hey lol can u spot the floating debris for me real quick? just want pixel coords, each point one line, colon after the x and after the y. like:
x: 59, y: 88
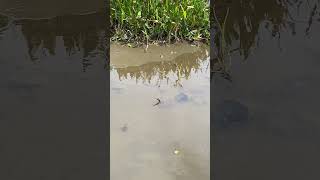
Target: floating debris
x: 159, y: 101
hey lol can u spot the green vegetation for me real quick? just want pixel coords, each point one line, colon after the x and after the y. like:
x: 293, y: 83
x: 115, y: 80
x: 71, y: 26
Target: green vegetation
x: 160, y: 20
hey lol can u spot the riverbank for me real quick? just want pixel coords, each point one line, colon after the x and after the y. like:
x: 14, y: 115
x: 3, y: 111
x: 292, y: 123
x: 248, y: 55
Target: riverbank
x: 164, y: 21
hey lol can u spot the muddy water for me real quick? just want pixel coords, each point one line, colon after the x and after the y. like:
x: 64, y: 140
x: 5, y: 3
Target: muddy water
x: 52, y: 88
x: 273, y: 129
x: 166, y: 138
x: 42, y: 9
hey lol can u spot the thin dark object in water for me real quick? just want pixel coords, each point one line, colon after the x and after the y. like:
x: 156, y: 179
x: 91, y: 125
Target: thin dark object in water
x: 159, y: 101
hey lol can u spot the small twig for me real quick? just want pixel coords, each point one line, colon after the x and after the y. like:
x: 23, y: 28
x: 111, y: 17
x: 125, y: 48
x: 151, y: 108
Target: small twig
x: 159, y: 101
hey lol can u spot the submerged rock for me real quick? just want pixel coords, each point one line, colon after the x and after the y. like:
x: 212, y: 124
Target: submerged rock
x: 230, y: 113
x: 178, y: 99
x: 182, y: 97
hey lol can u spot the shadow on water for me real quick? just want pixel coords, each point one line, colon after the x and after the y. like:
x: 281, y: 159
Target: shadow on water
x: 71, y: 35
x: 47, y: 100
x: 245, y: 18
x: 46, y: 9
x: 265, y: 118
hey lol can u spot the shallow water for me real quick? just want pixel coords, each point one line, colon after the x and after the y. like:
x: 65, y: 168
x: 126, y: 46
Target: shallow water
x: 52, y: 78
x: 166, y: 140
x: 275, y: 76
x: 43, y: 9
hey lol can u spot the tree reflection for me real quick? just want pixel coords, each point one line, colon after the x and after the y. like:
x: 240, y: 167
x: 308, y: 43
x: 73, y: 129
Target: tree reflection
x: 4, y: 21
x: 246, y: 17
x: 84, y: 35
x: 182, y: 67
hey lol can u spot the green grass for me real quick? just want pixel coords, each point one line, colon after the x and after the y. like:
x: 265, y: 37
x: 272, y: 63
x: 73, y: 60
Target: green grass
x: 159, y: 20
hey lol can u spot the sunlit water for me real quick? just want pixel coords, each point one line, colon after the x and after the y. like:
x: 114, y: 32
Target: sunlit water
x: 167, y: 140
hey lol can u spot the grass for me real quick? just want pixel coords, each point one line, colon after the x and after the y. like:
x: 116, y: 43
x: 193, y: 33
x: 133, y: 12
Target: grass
x: 159, y: 20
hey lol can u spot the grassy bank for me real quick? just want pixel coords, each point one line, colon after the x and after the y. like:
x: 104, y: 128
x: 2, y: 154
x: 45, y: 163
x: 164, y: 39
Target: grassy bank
x: 159, y: 20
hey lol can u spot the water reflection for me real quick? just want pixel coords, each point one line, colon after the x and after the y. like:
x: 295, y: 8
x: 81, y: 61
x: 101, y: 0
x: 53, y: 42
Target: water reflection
x: 69, y: 35
x: 266, y: 117
x: 166, y: 88
x: 244, y: 20
x: 59, y: 110
x: 181, y: 66
x: 3, y: 24
x: 46, y: 9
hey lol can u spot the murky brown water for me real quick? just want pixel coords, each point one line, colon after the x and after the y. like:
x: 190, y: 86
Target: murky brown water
x: 43, y: 9
x: 49, y: 68
x: 166, y: 140
x: 53, y: 86
x: 271, y: 126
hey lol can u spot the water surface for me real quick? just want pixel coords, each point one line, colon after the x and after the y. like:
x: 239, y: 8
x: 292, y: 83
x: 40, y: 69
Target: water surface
x: 43, y: 9
x: 275, y: 75
x: 51, y: 76
x: 166, y: 138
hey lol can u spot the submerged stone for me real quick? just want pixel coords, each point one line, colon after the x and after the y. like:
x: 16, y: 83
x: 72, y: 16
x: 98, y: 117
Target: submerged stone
x: 181, y: 97
x: 230, y: 113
